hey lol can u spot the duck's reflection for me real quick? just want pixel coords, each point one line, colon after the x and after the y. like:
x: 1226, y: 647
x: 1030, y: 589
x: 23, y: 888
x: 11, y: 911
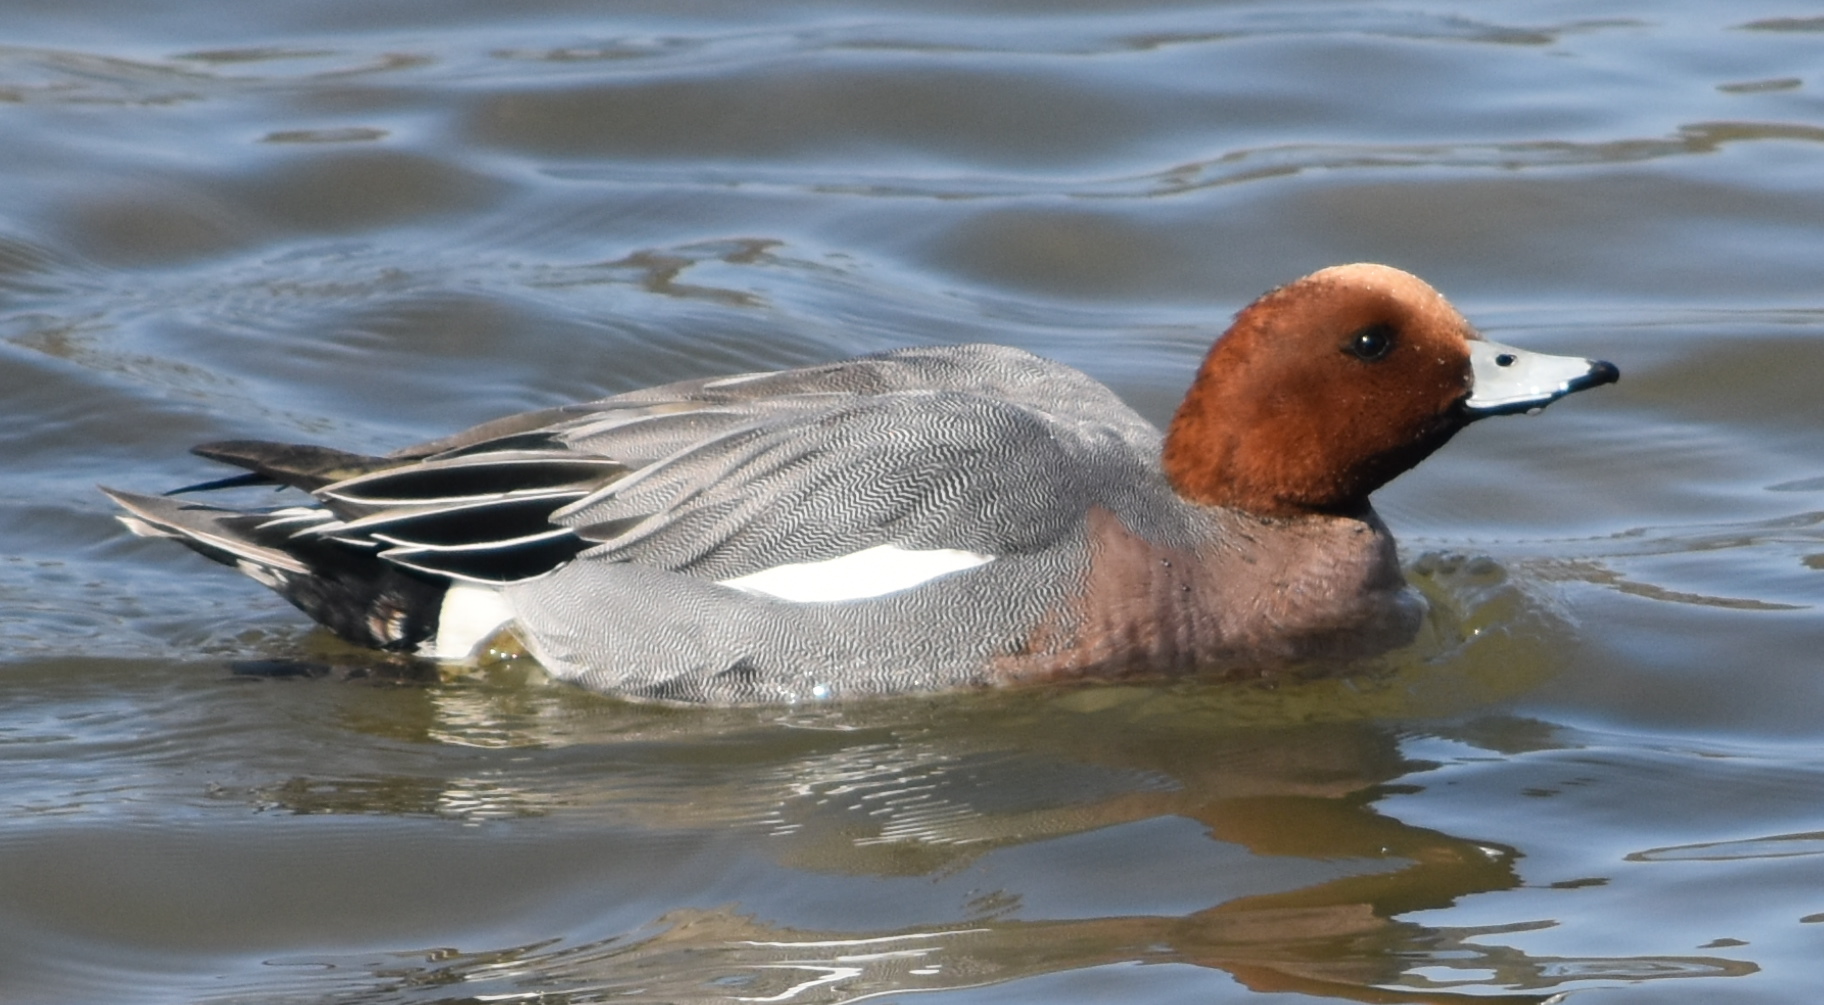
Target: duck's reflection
x: 929, y: 788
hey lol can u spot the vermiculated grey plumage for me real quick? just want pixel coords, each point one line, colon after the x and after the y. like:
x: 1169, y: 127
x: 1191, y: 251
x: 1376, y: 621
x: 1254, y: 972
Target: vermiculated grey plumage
x: 608, y: 525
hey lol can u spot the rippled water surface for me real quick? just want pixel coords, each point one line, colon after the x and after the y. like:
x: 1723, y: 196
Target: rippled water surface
x: 366, y: 224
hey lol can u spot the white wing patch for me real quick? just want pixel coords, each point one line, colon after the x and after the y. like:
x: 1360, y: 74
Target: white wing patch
x: 470, y: 616
x: 872, y: 572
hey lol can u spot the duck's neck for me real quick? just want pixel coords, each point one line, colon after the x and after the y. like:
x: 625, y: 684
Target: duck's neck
x: 1228, y: 448
x: 1281, y: 454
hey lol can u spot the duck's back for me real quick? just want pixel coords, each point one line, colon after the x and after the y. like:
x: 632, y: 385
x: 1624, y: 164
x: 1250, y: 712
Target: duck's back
x: 888, y: 523
x: 891, y: 523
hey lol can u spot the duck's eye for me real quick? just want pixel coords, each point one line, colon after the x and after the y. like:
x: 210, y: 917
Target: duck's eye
x: 1371, y: 343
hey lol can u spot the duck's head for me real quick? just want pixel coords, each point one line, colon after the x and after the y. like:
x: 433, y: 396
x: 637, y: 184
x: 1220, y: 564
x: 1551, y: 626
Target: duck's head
x: 1327, y: 388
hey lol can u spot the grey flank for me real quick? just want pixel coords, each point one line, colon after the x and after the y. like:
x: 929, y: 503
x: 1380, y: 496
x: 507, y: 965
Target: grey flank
x: 608, y: 525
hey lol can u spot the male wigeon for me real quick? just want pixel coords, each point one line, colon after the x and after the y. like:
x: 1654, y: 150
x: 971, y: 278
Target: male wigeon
x: 913, y: 520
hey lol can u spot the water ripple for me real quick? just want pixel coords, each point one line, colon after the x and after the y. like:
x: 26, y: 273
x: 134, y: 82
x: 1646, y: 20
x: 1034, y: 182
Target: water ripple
x: 1233, y: 167
x: 1778, y: 846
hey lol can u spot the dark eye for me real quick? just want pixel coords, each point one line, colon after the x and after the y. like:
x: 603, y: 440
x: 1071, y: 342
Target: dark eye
x: 1371, y: 343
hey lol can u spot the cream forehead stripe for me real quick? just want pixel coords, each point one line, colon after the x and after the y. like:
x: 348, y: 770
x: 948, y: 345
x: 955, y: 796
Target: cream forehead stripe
x: 872, y: 572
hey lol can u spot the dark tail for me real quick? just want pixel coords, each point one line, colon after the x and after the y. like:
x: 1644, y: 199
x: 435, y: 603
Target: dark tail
x: 347, y: 588
x: 299, y: 465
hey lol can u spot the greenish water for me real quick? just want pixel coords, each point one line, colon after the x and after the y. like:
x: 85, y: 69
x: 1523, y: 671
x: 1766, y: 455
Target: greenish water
x: 368, y: 224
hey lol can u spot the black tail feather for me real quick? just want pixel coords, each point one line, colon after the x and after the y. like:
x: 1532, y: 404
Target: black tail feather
x: 299, y: 465
x: 349, y: 589
x: 230, y: 482
x: 373, y: 554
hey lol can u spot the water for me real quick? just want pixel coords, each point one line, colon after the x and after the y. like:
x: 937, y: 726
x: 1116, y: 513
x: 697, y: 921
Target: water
x: 368, y: 224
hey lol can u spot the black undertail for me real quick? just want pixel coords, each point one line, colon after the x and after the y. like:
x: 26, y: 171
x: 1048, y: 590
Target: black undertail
x: 349, y: 589
x: 372, y: 554
x: 364, y: 599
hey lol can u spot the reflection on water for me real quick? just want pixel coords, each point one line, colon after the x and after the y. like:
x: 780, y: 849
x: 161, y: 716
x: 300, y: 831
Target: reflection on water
x: 914, y: 789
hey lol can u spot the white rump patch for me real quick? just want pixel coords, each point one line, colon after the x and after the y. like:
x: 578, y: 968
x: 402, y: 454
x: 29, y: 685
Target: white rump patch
x: 470, y: 616
x: 873, y: 572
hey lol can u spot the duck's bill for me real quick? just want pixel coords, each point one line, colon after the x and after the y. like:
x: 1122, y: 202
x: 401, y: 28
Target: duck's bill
x: 1509, y: 380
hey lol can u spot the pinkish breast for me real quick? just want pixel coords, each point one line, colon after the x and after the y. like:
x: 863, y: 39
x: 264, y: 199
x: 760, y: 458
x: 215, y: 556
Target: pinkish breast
x: 1262, y: 596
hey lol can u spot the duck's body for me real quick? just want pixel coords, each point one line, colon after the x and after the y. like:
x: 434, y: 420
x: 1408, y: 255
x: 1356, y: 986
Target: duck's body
x: 910, y: 521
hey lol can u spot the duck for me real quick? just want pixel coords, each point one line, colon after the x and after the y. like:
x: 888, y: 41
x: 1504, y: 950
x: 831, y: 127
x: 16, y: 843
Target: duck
x: 918, y: 520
